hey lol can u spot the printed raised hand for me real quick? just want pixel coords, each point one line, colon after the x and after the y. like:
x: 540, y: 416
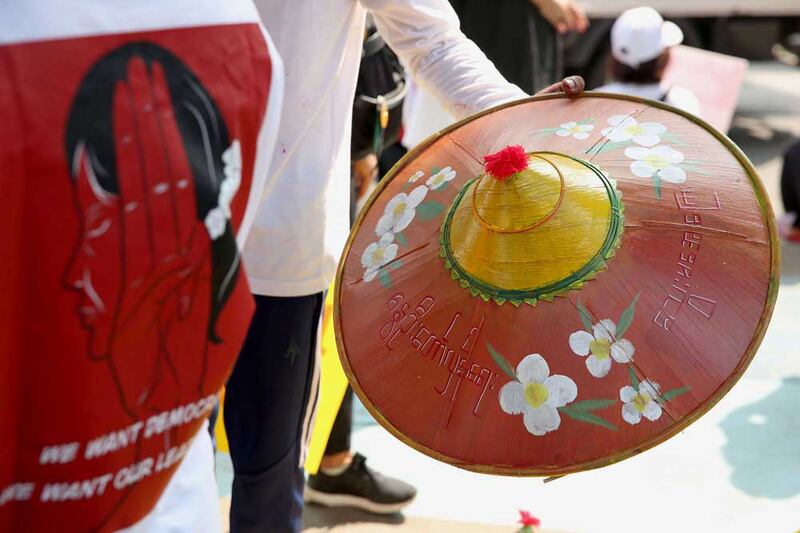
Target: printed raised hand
x: 150, y: 320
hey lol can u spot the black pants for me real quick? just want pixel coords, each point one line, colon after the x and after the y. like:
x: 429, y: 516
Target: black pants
x: 266, y: 401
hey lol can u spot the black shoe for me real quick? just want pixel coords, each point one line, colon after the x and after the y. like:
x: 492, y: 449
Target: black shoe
x: 359, y: 486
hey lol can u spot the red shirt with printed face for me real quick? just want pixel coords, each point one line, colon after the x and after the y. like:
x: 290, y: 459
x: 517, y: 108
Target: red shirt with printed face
x: 127, y: 164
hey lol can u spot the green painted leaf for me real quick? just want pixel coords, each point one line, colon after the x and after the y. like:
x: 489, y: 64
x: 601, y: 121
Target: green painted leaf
x: 589, y: 418
x: 401, y: 239
x: 657, y: 185
x: 607, y: 147
x: 591, y: 405
x: 674, y: 393
x: 586, y: 316
x: 502, y: 363
x: 626, y: 318
x: 434, y: 170
x: 694, y: 169
x: 673, y: 139
x: 394, y: 265
x: 385, y: 278
x: 634, y: 378
x: 429, y: 210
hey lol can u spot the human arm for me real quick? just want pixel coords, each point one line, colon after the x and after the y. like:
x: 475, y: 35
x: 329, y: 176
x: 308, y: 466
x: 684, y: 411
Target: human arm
x: 365, y: 170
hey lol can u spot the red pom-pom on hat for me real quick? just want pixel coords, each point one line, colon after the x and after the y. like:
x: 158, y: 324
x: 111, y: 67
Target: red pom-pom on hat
x: 505, y: 163
x: 527, y: 519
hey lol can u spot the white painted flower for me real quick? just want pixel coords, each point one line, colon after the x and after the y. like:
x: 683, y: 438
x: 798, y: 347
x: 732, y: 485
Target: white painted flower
x: 537, y: 395
x: 400, y: 211
x: 603, y: 347
x: 215, y: 222
x: 232, y: 159
x: 378, y: 254
x: 416, y: 176
x: 639, y: 403
x: 440, y: 178
x: 573, y: 129
x: 626, y: 128
x: 661, y: 161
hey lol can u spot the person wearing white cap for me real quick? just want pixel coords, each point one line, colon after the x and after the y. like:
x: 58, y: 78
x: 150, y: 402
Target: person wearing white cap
x: 640, y: 44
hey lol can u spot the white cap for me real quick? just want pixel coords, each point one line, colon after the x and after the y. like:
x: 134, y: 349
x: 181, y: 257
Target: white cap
x: 640, y: 35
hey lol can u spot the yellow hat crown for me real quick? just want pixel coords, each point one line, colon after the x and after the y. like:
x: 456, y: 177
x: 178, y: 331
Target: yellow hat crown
x: 530, y: 229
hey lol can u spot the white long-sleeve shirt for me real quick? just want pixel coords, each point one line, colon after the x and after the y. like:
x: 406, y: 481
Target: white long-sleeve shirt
x: 303, y: 218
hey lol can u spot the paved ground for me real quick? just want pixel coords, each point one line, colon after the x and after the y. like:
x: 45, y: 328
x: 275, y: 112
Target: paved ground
x: 735, y: 470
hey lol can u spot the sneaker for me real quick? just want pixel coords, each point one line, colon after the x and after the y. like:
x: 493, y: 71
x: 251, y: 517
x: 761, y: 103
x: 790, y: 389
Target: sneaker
x: 359, y: 486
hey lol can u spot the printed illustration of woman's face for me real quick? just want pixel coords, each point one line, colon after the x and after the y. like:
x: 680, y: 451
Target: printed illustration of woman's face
x: 96, y: 268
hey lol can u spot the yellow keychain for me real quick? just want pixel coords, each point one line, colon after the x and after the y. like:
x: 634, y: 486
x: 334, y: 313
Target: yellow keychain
x: 383, y: 111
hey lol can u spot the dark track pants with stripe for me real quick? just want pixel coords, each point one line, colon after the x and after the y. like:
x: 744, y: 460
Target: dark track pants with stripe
x: 267, y: 412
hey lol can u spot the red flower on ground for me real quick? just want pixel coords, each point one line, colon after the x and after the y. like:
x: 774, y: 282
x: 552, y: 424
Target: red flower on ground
x: 527, y: 519
x: 507, y: 162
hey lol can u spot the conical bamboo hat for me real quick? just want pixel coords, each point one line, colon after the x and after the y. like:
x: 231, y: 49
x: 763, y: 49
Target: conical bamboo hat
x: 556, y: 284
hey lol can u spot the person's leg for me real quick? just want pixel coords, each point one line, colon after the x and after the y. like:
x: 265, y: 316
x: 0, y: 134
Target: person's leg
x: 337, y: 451
x: 265, y: 413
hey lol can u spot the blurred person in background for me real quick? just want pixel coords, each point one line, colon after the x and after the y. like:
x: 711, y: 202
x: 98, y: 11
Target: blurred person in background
x: 523, y: 38
x: 377, y: 115
x: 640, y: 52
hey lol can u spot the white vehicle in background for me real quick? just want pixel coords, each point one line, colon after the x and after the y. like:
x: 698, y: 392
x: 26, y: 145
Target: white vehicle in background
x: 696, y: 8
x: 745, y: 28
